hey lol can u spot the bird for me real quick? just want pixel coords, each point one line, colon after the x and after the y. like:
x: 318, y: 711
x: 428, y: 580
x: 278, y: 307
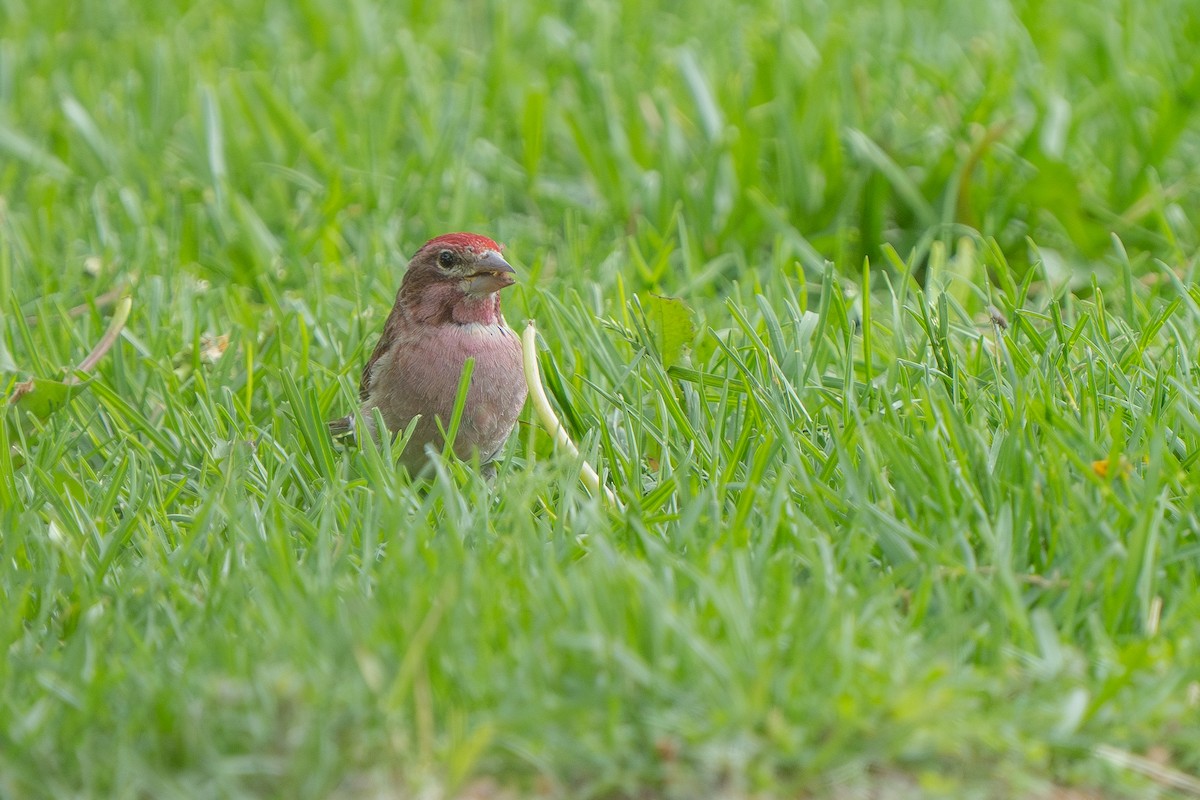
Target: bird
x: 446, y: 311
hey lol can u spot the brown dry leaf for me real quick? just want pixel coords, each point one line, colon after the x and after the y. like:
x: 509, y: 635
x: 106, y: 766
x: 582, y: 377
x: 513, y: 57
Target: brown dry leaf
x: 120, y: 316
x: 21, y: 389
x: 100, y: 301
x: 42, y: 396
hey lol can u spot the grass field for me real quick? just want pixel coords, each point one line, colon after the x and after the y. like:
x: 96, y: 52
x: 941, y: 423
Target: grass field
x: 909, y: 476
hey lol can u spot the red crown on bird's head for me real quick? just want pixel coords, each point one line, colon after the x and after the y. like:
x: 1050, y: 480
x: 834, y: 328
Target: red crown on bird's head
x: 470, y: 241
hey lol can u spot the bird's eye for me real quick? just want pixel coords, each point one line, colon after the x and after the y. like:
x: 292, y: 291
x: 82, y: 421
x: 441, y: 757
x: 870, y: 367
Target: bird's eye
x: 446, y: 258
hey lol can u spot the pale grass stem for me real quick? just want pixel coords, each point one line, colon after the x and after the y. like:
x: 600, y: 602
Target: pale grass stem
x: 550, y: 421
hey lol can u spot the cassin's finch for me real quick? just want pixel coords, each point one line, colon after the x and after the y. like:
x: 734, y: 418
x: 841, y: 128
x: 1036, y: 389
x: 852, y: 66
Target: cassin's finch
x: 447, y: 310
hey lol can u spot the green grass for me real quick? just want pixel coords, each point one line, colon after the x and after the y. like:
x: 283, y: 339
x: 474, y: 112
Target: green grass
x: 872, y: 541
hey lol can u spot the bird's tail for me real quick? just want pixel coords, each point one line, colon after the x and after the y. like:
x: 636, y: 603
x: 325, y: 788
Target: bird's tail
x: 342, y: 428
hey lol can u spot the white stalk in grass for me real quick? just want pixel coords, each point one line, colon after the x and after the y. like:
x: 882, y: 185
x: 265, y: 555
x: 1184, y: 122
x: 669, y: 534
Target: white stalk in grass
x: 541, y: 404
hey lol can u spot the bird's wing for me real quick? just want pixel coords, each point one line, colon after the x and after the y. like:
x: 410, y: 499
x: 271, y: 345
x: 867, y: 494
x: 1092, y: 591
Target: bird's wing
x: 386, y: 339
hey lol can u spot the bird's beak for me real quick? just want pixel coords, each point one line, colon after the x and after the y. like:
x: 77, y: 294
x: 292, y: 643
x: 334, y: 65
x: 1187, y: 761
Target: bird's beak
x: 492, y: 273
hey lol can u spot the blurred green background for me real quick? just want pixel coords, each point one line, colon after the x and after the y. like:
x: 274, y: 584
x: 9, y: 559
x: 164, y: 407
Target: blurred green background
x: 234, y: 140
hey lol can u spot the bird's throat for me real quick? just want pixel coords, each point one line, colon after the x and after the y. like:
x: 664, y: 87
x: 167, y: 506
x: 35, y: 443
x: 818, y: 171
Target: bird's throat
x: 438, y: 304
x: 483, y: 310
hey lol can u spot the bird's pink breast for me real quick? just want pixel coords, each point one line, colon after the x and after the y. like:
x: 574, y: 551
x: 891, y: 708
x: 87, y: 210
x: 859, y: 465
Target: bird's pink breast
x: 421, y: 376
